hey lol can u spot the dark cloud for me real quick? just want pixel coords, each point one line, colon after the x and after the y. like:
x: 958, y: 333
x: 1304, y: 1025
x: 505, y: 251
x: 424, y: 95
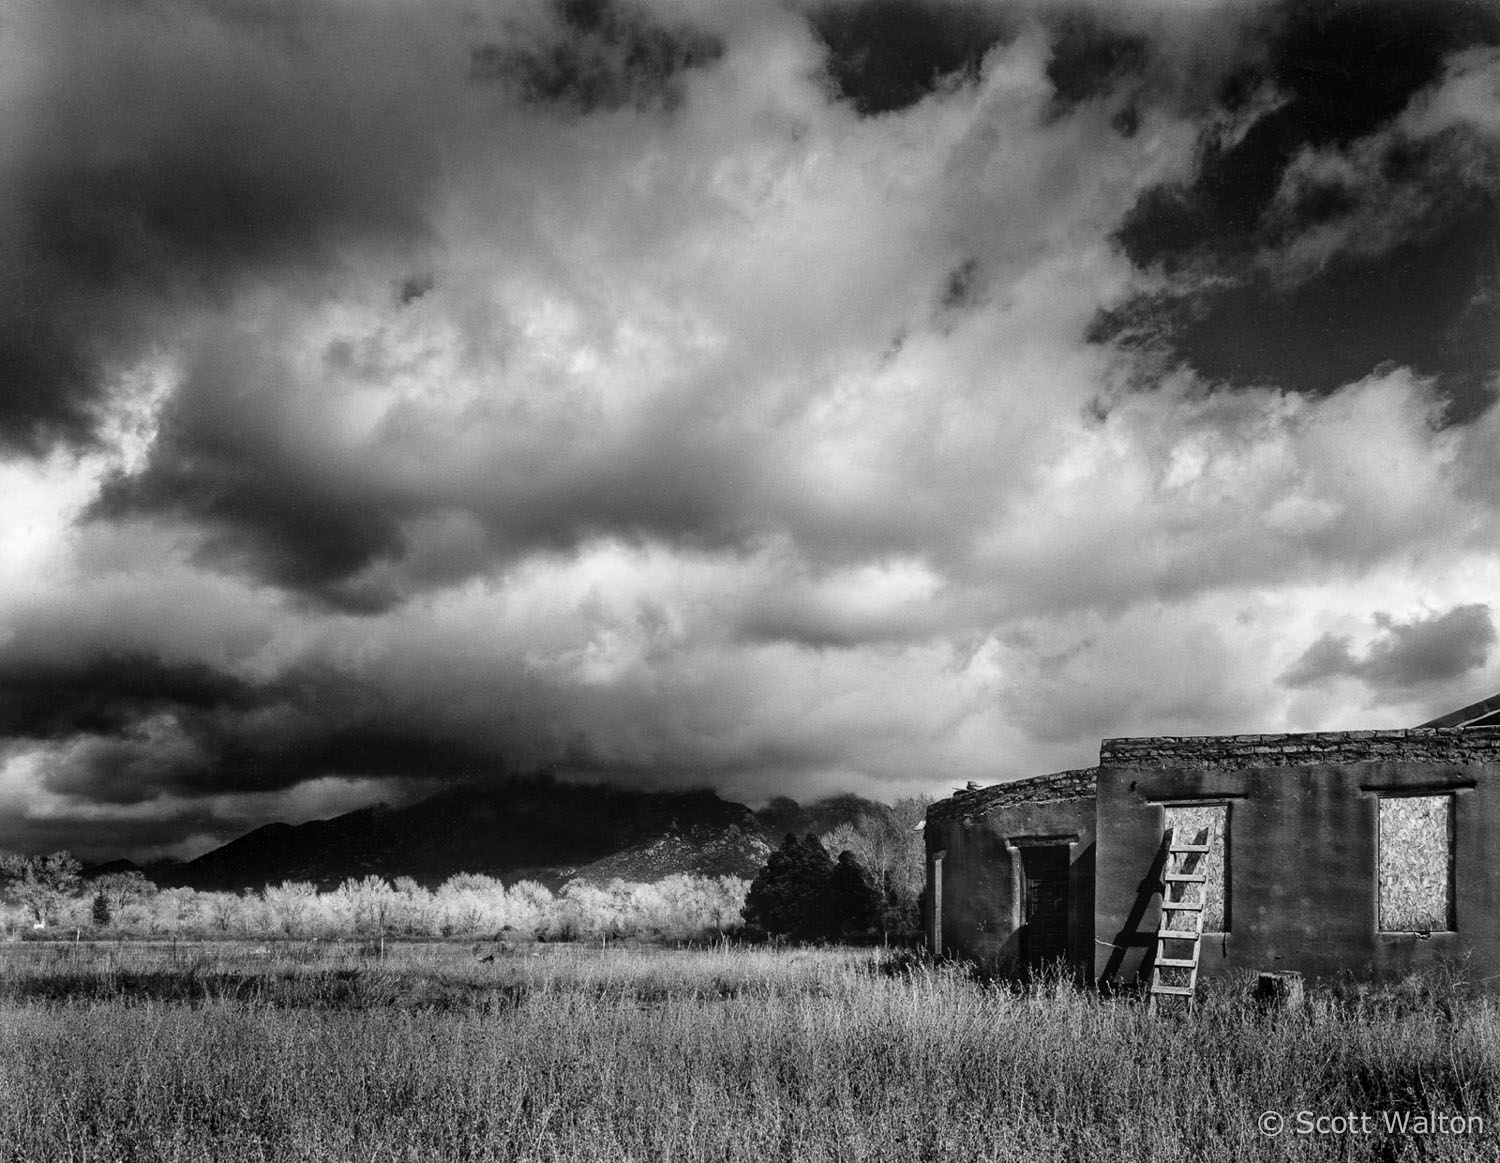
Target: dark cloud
x: 886, y: 55
x: 1089, y: 59
x: 1421, y: 305
x: 125, y: 725
x: 188, y: 732
x: 1329, y: 657
x: 603, y: 55
x: 338, y: 527
x: 962, y: 286
x: 143, y: 838
x: 105, y: 693
x: 1332, y: 74
x: 1407, y: 654
x: 160, y: 169
x: 1302, y: 149
x: 228, y: 459
x: 413, y: 288
x: 353, y: 740
x: 184, y: 828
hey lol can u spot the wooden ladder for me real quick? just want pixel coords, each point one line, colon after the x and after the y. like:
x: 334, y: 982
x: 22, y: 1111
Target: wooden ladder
x: 1181, y: 919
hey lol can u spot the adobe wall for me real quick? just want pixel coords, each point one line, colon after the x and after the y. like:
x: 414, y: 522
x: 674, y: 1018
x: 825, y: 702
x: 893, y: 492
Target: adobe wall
x: 1303, y: 812
x: 977, y: 834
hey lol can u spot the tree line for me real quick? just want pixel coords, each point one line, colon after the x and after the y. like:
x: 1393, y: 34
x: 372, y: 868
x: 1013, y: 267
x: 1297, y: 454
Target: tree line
x: 869, y: 891
x: 468, y: 905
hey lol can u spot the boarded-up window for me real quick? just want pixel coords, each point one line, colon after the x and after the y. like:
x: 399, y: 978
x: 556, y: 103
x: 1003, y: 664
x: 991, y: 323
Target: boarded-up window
x: 1200, y: 823
x: 1416, y: 864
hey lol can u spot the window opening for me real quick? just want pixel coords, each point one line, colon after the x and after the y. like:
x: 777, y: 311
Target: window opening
x: 1416, y: 864
x: 1190, y: 822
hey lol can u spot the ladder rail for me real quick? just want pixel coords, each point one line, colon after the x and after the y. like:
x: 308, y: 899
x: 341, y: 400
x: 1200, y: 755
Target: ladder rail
x: 1177, y: 915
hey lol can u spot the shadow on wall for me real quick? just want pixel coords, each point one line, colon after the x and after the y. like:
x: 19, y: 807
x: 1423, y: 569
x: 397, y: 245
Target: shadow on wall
x: 1135, y: 934
x: 1007, y: 961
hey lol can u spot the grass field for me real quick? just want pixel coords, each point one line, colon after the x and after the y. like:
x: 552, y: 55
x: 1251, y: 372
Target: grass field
x: 297, y: 1052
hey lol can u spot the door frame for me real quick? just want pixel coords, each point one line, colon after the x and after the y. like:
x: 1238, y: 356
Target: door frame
x: 1015, y: 846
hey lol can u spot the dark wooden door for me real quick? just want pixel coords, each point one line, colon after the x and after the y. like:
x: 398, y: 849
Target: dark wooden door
x: 1045, y: 871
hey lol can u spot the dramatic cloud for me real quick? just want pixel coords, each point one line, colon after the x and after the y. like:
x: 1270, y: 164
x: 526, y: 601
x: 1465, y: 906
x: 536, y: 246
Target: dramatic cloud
x: 887, y: 55
x: 161, y: 157
x: 601, y: 55
x: 793, y: 399
x: 1404, y: 654
x: 1328, y: 223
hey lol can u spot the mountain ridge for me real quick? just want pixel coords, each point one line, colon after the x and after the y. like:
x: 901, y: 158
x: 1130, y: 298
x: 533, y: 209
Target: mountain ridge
x: 536, y: 827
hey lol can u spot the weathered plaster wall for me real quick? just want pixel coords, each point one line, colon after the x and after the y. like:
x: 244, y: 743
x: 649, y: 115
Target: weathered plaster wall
x: 1302, y: 834
x: 977, y: 834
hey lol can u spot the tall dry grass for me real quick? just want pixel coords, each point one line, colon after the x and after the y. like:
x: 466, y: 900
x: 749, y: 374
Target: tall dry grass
x: 724, y: 1054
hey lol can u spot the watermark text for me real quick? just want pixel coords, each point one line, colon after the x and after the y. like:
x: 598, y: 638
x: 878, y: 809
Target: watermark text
x: 1317, y: 1123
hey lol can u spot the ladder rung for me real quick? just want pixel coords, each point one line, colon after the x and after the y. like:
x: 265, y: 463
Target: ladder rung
x: 1181, y: 912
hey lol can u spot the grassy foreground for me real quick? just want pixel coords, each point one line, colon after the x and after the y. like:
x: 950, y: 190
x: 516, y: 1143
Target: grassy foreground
x: 568, y: 1053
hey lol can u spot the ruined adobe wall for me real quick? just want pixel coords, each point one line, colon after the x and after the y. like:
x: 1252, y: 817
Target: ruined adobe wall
x: 978, y: 835
x: 1303, y: 846
x: 1238, y: 752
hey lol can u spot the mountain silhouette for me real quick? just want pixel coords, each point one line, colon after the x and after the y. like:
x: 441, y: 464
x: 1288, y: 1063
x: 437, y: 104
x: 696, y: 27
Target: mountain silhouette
x: 537, y: 828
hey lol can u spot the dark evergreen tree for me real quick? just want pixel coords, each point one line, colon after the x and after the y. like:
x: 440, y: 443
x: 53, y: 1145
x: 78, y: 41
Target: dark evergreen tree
x: 853, y: 899
x: 101, y: 910
x: 790, y: 897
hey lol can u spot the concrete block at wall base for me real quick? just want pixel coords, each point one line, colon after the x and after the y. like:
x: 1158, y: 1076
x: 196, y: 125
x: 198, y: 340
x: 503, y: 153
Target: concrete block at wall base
x: 1278, y: 992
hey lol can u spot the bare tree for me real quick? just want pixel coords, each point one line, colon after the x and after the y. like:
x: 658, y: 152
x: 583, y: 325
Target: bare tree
x: 911, y: 867
x: 890, y: 847
x: 124, y: 888
x: 42, y: 883
x: 289, y: 902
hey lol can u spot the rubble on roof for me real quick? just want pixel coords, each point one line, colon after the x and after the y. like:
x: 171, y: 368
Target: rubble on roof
x: 970, y: 804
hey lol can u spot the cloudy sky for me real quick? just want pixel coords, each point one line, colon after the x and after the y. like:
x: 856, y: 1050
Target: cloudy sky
x: 774, y: 396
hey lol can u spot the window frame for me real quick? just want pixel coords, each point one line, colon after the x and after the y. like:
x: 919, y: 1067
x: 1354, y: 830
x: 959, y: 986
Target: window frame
x: 1451, y: 923
x: 935, y: 883
x: 1227, y: 803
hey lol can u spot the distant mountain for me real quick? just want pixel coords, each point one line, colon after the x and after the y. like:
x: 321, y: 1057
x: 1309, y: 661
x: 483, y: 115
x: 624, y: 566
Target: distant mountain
x: 732, y: 851
x: 95, y: 871
x: 537, y: 828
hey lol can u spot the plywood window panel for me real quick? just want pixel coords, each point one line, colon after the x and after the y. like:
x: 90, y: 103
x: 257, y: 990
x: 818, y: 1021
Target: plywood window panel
x: 1416, y: 864
x: 1193, y: 823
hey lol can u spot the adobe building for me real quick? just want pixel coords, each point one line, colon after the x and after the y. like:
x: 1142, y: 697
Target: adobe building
x: 1373, y: 853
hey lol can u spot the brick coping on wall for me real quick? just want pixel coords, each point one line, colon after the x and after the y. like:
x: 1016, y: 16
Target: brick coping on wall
x: 1413, y: 744
x: 1078, y: 784
x: 1232, y: 752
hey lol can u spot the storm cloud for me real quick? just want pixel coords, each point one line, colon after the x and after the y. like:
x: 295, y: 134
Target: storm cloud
x: 163, y: 157
x: 1329, y: 222
x: 787, y: 398
x: 1403, y: 654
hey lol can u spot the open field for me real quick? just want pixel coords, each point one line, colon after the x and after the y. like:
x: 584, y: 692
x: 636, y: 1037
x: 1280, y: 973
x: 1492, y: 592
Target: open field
x: 294, y: 1052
